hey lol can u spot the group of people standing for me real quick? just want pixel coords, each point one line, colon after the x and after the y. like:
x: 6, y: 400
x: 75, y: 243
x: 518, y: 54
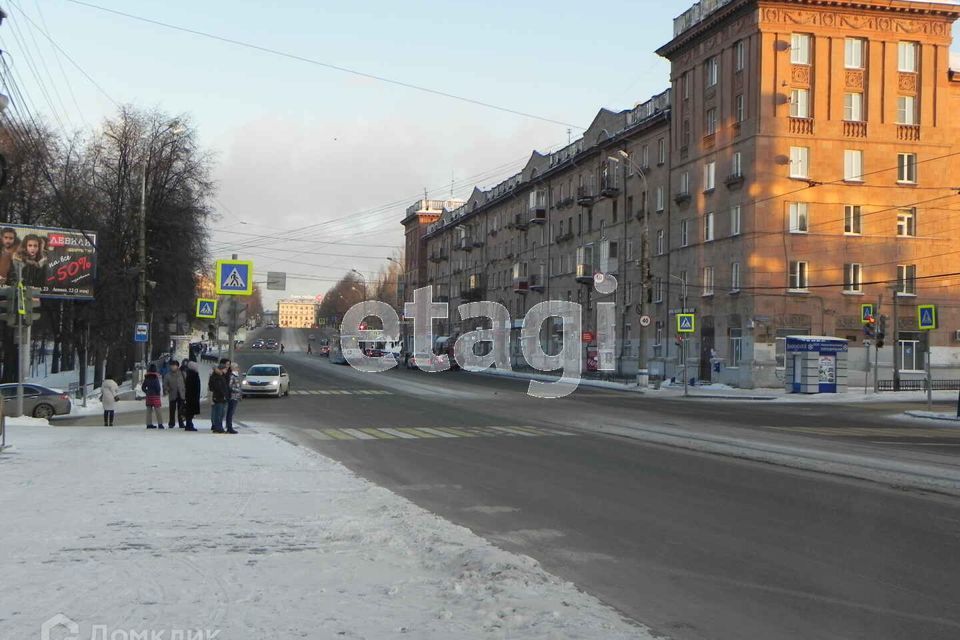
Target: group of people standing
x: 181, y: 385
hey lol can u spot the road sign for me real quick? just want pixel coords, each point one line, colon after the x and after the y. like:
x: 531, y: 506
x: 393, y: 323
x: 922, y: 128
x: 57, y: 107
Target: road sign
x: 206, y: 308
x: 927, y: 317
x: 141, y: 332
x: 686, y: 323
x: 234, y: 277
x: 644, y: 321
x: 277, y: 280
x: 867, y: 311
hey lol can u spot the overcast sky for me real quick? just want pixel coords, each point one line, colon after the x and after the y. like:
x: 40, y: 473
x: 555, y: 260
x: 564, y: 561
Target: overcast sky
x: 308, y: 155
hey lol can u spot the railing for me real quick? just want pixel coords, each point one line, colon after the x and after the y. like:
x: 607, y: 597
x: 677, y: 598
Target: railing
x: 696, y: 14
x: 801, y: 126
x: 521, y: 285
x: 586, y: 194
x: 920, y: 385
x: 536, y: 282
x: 584, y: 273
x: 855, y: 129
x: 709, y: 141
x: 908, y: 132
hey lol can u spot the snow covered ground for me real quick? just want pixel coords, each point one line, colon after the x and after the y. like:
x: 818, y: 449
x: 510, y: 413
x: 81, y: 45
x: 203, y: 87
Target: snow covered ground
x: 159, y: 531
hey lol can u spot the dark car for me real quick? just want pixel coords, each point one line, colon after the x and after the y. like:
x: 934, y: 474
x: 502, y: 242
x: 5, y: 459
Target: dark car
x: 39, y: 402
x: 257, y: 344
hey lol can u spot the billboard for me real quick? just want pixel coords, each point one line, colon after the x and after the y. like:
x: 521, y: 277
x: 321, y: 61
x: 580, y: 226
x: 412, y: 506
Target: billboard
x: 61, y: 262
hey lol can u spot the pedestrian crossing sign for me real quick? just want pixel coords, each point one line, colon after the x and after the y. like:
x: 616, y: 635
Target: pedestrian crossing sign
x: 206, y: 308
x: 686, y: 323
x: 866, y: 312
x: 234, y: 277
x: 927, y: 317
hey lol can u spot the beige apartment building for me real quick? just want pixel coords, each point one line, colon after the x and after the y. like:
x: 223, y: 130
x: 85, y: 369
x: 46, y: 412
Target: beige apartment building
x: 804, y: 163
x: 297, y: 313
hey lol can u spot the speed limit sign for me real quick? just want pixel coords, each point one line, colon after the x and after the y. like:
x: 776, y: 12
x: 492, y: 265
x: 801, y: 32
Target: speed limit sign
x: 644, y: 321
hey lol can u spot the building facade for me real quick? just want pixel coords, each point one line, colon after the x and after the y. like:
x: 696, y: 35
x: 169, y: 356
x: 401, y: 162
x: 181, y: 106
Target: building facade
x: 297, y: 314
x: 802, y: 164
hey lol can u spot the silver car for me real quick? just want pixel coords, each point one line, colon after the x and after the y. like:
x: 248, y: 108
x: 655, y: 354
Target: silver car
x: 39, y: 402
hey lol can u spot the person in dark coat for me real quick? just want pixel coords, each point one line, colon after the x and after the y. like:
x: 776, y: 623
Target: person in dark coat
x: 154, y: 390
x: 218, y: 386
x: 191, y: 384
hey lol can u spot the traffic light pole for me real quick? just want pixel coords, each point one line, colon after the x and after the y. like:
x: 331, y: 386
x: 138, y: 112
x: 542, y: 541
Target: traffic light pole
x: 23, y: 347
x: 876, y: 348
x: 896, y: 342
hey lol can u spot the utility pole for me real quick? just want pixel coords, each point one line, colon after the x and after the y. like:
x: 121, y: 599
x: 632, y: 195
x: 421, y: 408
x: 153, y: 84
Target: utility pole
x: 232, y: 323
x: 896, y: 340
x: 142, y: 295
x: 876, y: 347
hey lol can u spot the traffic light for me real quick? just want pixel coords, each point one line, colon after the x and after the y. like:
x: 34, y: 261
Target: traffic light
x: 31, y: 305
x: 870, y: 326
x: 881, y: 332
x: 8, y: 305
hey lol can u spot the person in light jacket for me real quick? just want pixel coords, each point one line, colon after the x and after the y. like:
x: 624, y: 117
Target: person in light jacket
x: 174, y: 383
x: 153, y: 387
x: 109, y: 394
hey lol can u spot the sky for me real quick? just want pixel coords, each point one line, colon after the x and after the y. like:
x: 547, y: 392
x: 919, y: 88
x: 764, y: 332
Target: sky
x: 314, y: 166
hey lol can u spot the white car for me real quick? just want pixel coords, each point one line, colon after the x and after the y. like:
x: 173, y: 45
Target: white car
x: 265, y: 380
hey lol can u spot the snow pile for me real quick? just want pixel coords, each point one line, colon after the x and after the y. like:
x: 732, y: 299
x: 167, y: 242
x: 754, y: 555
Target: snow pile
x: 254, y: 537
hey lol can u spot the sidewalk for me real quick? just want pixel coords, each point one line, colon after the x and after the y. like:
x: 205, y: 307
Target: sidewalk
x: 150, y: 531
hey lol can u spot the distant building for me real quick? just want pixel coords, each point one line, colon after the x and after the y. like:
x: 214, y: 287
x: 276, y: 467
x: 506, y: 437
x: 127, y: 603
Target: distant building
x: 297, y: 313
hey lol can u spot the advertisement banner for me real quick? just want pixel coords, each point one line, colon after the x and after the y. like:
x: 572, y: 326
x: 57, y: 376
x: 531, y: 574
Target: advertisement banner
x: 61, y: 262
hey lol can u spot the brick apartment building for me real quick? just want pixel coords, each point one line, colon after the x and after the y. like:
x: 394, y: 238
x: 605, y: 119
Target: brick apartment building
x: 804, y: 162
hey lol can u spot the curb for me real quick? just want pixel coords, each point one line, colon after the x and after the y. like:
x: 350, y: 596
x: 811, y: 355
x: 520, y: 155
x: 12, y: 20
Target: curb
x: 938, y: 418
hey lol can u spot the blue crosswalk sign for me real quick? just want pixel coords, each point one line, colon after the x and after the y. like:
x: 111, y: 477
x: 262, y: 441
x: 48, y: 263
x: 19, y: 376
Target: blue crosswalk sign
x: 206, y: 308
x: 686, y: 323
x: 927, y: 317
x: 234, y: 277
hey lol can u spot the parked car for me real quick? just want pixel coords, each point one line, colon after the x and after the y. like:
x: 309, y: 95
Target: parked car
x: 39, y: 402
x: 272, y: 344
x: 265, y: 380
x: 324, y: 350
x: 258, y: 344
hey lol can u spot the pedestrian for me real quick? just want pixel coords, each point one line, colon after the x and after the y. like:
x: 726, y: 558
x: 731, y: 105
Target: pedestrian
x: 309, y: 348
x: 218, y: 387
x: 153, y: 387
x: 281, y: 347
x: 236, y: 394
x: 109, y: 394
x: 176, y: 394
x: 191, y: 384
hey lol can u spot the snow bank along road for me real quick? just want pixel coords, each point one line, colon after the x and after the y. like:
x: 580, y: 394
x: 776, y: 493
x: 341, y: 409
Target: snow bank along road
x: 133, y: 531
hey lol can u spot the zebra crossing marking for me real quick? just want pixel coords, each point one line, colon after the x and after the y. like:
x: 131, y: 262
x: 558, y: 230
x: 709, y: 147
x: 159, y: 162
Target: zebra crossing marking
x: 340, y: 392
x: 434, y: 433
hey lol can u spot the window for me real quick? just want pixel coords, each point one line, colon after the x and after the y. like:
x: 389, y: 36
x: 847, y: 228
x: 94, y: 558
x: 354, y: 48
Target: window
x: 645, y: 156
x: 851, y: 220
x: 906, y: 110
x: 799, y: 162
x: 734, y: 277
x: 907, y: 223
x: 686, y: 81
x: 660, y: 198
x: 661, y: 151
x: 628, y: 251
x: 658, y: 290
x: 735, y: 220
x: 708, y: 227
x: 707, y: 281
x: 684, y: 233
x: 800, y: 103
x: 710, y: 123
x: 907, y: 168
x: 660, y: 242
x: 685, y: 183
x: 853, y: 278
x: 907, y: 280
x: 853, y: 165
x: 739, y: 108
x: 685, y: 135
x: 736, y: 165
x: 736, y: 347
x: 853, y: 53
x: 909, y: 352
x: 798, y: 276
x: 710, y: 176
x: 799, y: 222
x: 800, y: 48
x: 907, y: 57
x: 739, y: 55
x: 853, y: 107
x: 713, y: 71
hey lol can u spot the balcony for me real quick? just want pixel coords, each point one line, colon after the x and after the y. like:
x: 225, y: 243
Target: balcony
x: 538, y: 216
x: 472, y: 288
x: 610, y: 184
x: 434, y: 256
x: 854, y: 129
x: 586, y: 195
x: 463, y: 244
x: 538, y: 206
x: 801, y: 126
x: 584, y: 274
x: 908, y: 132
x: 537, y: 282
x: 709, y: 141
x: 734, y: 181
x: 682, y: 198
x: 520, y: 222
x: 477, y: 242
x: 563, y: 237
x: 521, y: 285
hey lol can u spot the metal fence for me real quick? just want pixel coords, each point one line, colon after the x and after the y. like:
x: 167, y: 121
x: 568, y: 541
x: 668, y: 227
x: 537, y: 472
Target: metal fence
x: 920, y: 385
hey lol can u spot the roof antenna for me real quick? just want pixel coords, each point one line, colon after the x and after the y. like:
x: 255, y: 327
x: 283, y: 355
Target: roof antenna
x: 569, y: 135
x: 451, y: 184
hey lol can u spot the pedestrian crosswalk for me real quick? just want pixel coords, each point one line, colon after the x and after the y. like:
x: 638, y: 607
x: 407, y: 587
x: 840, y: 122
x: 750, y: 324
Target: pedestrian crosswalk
x: 421, y: 433
x: 339, y: 392
x: 876, y: 432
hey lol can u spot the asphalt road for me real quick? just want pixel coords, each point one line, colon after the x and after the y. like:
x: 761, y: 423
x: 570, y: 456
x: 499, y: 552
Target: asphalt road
x: 694, y: 545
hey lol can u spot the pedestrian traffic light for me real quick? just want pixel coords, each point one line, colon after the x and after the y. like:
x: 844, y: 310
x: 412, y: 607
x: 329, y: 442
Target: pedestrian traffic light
x: 31, y: 304
x: 870, y: 326
x: 8, y: 305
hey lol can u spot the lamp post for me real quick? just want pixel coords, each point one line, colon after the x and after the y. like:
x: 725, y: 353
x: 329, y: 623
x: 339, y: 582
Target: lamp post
x: 645, y: 248
x: 364, y: 278
x: 174, y: 127
x: 683, y: 341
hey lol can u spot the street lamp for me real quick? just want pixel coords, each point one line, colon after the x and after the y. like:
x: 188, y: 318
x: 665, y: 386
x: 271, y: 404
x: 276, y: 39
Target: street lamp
x: 365, y: 293
x: 175, y: 128
x: 683, y: 342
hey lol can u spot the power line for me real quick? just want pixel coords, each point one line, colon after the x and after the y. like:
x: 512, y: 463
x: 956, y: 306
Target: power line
x: 326, y: 65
